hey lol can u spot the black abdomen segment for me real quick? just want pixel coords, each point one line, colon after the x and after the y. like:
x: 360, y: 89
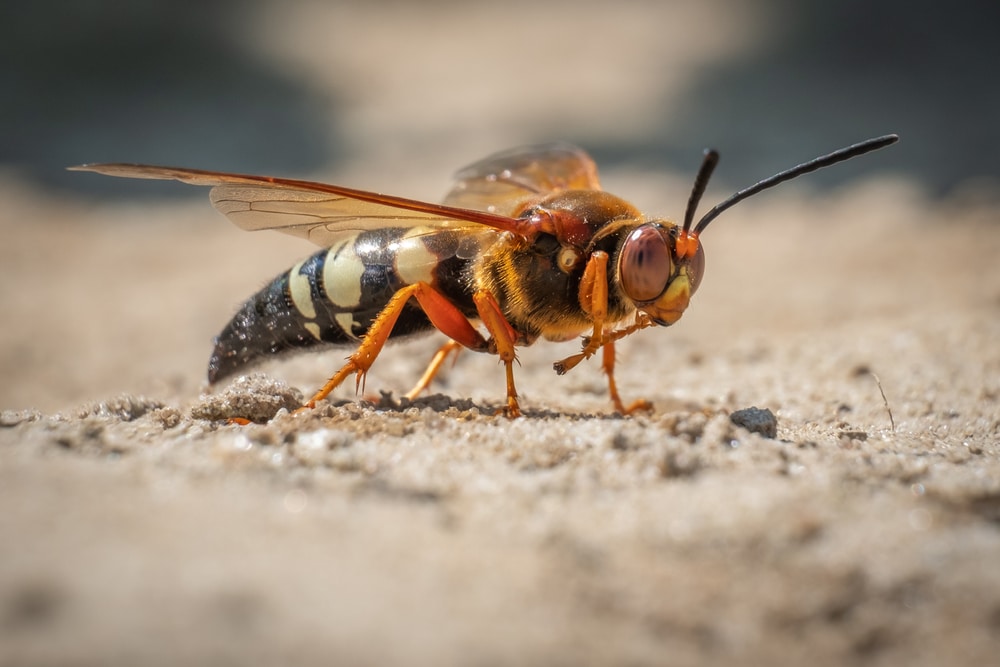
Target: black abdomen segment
x: 332, y: 297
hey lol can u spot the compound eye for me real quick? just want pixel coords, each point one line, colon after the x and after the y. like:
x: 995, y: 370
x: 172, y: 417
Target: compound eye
x: 645, y: 264
x: 696, y: 268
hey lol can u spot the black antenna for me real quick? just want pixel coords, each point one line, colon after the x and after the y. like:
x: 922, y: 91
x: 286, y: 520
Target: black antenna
x: 804, y: 168
x: 700, y: 183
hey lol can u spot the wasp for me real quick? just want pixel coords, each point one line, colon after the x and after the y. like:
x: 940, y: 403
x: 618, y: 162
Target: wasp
x: 525, y: 246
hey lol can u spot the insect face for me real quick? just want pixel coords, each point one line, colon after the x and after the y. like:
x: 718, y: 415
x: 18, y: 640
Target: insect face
x: 659, y: 269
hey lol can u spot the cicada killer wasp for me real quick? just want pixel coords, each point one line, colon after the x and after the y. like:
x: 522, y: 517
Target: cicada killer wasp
x: 525, y: 246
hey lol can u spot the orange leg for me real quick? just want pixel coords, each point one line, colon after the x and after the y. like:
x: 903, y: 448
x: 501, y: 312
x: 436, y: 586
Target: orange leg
x: 608, y: 364
x: 432, y: 369
x: 502, y: 342
x: 442, y: 313
x: 594, y: 301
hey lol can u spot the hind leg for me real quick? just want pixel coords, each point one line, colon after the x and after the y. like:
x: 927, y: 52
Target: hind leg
x: 432, y: 368
x: 442, y: 313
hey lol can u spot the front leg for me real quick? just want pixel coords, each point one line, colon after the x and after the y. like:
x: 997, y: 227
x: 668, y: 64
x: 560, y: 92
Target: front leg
x: 607, y: 345
x: 594, y: 301
x: 640, y: 405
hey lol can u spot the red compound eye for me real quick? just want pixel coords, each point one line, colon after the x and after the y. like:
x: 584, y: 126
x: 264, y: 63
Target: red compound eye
x: 696, y: 268
x: 645, y: 264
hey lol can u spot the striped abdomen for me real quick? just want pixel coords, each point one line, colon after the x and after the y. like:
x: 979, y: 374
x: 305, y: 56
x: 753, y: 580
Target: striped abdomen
x: 332, y: 297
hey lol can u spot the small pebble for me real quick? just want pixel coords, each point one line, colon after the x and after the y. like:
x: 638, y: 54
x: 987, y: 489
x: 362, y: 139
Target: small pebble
x: 756, y: 420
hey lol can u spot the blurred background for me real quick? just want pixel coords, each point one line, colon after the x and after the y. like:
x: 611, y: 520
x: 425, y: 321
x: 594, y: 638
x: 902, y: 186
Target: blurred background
x: 309, y: 88
x: 105, y: 287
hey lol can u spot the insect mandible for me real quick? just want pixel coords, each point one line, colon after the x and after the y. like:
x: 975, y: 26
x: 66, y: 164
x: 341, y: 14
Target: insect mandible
x: 525, y: 246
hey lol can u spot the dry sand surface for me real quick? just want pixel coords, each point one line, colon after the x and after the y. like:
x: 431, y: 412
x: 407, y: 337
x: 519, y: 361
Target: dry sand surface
x: 139, y: 528
x: 136, y: 532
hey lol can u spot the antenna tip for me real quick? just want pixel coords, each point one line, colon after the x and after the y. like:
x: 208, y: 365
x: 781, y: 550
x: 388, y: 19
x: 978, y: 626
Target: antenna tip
x: 886, y: 140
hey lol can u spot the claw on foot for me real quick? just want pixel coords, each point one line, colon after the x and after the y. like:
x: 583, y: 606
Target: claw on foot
x: 513, y: 410
x: 640, y: 405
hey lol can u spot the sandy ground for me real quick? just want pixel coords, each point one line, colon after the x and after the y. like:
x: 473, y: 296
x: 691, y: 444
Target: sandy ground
x: 138, y: 527
x: 136, y: 533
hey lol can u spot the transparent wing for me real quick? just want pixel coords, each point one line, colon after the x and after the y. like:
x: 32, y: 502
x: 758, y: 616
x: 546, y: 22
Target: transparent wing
x: 504, y: 182
x: 314, y: 211
x: 318, y: 217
